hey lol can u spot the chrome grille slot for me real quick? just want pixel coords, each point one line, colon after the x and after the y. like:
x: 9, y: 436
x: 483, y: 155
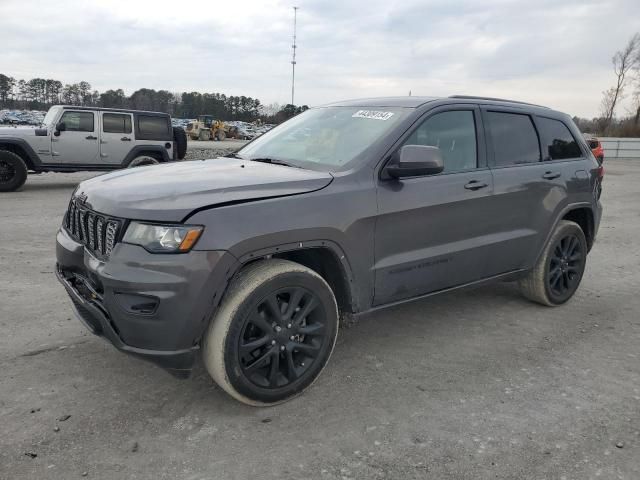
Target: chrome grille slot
x: 97, y: 232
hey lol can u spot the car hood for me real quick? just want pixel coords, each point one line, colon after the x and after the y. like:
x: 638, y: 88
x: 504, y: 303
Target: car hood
x: 17, y: 131
x: 170, y: 192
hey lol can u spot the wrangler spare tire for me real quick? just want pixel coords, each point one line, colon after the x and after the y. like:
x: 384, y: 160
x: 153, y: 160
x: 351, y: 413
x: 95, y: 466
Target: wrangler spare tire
x: 180, y: 139
x: 13, y: 171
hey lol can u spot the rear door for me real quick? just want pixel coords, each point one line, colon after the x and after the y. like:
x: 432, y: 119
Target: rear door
x: 431, y: 231
x: 78, y: 144
x: 527, y: 190
x: 117, y: 137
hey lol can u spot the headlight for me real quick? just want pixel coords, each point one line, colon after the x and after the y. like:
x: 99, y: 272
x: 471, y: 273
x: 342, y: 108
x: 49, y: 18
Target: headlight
x: 163, y: 238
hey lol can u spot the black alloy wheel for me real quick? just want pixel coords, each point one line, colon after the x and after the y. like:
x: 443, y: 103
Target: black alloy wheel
x: 7, y: 171
x: 566, y: 266
x: 281, y: 338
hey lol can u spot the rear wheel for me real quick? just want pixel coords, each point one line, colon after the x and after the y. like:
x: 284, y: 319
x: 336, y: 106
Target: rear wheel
x: 13, y: 171
x: 142, y: 161
x: 273, y: 333
x: 558, y: 273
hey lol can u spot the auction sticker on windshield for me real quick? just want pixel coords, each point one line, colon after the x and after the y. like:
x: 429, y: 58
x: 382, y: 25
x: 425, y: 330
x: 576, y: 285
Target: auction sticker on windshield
x: 373, y: 114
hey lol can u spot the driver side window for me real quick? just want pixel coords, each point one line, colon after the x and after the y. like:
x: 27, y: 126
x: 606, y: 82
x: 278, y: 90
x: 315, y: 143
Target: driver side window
x: 454, y: 133
x: 78, y: 121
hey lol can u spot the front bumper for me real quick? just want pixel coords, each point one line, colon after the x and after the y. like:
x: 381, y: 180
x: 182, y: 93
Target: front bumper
x: 153, y: 306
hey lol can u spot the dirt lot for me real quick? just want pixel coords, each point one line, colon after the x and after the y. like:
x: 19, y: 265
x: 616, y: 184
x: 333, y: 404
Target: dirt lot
x: 470, y: 385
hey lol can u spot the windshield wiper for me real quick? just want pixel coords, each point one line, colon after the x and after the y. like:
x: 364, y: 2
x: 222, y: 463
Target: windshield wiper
x: 234, y: 155
x: 273, y: 161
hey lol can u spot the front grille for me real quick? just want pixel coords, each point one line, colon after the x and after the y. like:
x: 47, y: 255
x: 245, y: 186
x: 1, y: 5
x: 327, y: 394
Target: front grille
x: 97, y: 232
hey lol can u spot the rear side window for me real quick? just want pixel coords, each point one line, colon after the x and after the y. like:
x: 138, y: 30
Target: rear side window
x: 557, y: 140
x: 454, y: 133
x: 514, y: 139
x: 78, y: 121
x: 153, y: 127
x: 116, y: 123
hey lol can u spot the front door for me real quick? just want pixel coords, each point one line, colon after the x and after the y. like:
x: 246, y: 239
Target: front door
x: 432, y: 231
x: 78, y: 143
x: 117, y: 137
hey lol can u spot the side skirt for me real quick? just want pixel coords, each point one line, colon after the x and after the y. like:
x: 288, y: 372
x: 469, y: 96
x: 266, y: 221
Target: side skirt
x: 505, y: 277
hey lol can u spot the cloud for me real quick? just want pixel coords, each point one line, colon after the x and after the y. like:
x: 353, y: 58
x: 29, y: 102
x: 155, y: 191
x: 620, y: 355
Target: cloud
x: 549, y: 52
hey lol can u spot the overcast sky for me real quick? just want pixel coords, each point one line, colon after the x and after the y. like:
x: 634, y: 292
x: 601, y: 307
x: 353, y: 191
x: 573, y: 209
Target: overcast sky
x: 553, y: 52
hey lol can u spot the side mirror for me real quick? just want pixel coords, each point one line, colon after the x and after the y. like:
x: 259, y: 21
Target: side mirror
x: 60, y: 127
x: 416, y: 160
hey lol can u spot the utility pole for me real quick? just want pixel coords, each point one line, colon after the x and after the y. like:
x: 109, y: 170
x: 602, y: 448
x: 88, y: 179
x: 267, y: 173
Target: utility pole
x: 293, y: 60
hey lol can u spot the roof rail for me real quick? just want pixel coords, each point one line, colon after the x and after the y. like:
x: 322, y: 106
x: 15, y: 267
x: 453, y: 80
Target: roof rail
x: 473, y: 97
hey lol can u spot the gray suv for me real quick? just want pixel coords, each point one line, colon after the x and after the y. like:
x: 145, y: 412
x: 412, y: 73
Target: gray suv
x: 73, y: 139
x: 250, y: 260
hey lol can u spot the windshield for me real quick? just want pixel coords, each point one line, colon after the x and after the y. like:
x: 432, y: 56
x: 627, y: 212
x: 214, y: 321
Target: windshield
x: 51, y: 114
x: 327, y: 138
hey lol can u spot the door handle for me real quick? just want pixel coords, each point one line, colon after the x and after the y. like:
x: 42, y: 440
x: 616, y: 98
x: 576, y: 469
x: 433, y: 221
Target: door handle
x: 125, y: 139
x: 551, y: 175
x: 91, y: 137
x: 475, y: 185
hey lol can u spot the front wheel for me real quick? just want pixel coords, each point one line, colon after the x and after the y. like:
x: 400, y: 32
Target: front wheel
x: 273, y: 333
x: 13, y: 171
x: 559, y: 270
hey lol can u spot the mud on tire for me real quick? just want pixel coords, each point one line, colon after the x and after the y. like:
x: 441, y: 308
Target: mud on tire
x: 558, y: 272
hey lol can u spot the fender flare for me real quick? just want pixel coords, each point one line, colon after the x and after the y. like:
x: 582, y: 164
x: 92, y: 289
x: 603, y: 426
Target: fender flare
x: 346, y: 270
x: 560, y: 216
x: 141, y: 149
x: 33, y: 160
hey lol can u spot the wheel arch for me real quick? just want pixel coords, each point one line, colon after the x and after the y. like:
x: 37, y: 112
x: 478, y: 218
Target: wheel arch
x: 23, y: 150
x: 575, y: 212
x: 583, y: 216
x: 156, y: 151
x: 324, y: 257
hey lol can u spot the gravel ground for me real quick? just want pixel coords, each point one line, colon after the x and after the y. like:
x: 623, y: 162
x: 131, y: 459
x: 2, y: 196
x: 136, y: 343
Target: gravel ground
x: 197, y: 150
x: 470, y: 385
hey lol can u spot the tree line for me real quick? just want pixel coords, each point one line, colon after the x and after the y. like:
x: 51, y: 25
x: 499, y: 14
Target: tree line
x: 41, y: 93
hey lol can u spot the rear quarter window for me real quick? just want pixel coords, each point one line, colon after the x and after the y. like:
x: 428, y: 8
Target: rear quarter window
x: 557, y: 141
x: 514, y: 139
x: 116, y: 123
x: 150, y: 127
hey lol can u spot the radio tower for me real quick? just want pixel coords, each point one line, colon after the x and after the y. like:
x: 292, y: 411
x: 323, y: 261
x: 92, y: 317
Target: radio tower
x: 293, y: 59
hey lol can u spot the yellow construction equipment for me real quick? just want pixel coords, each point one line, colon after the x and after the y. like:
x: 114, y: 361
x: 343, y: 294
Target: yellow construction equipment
x: 207, y: 128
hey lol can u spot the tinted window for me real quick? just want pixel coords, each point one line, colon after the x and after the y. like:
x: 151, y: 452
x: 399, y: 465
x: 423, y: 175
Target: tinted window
x: 557, y: 140
x: 454, y: 133
x: 153, y: 126
x: 514, y: 138
x: 78, y: 121
x: 116, y: 123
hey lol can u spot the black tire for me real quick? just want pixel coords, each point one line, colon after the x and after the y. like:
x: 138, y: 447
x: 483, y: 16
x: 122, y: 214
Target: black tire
x: 557, y: 275
x: 262, y: 357
x: 220, y: 135
x: 13, y: 171
x: 180, y: 139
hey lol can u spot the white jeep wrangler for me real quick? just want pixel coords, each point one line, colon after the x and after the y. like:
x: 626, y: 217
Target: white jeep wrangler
x: 73, y: 139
